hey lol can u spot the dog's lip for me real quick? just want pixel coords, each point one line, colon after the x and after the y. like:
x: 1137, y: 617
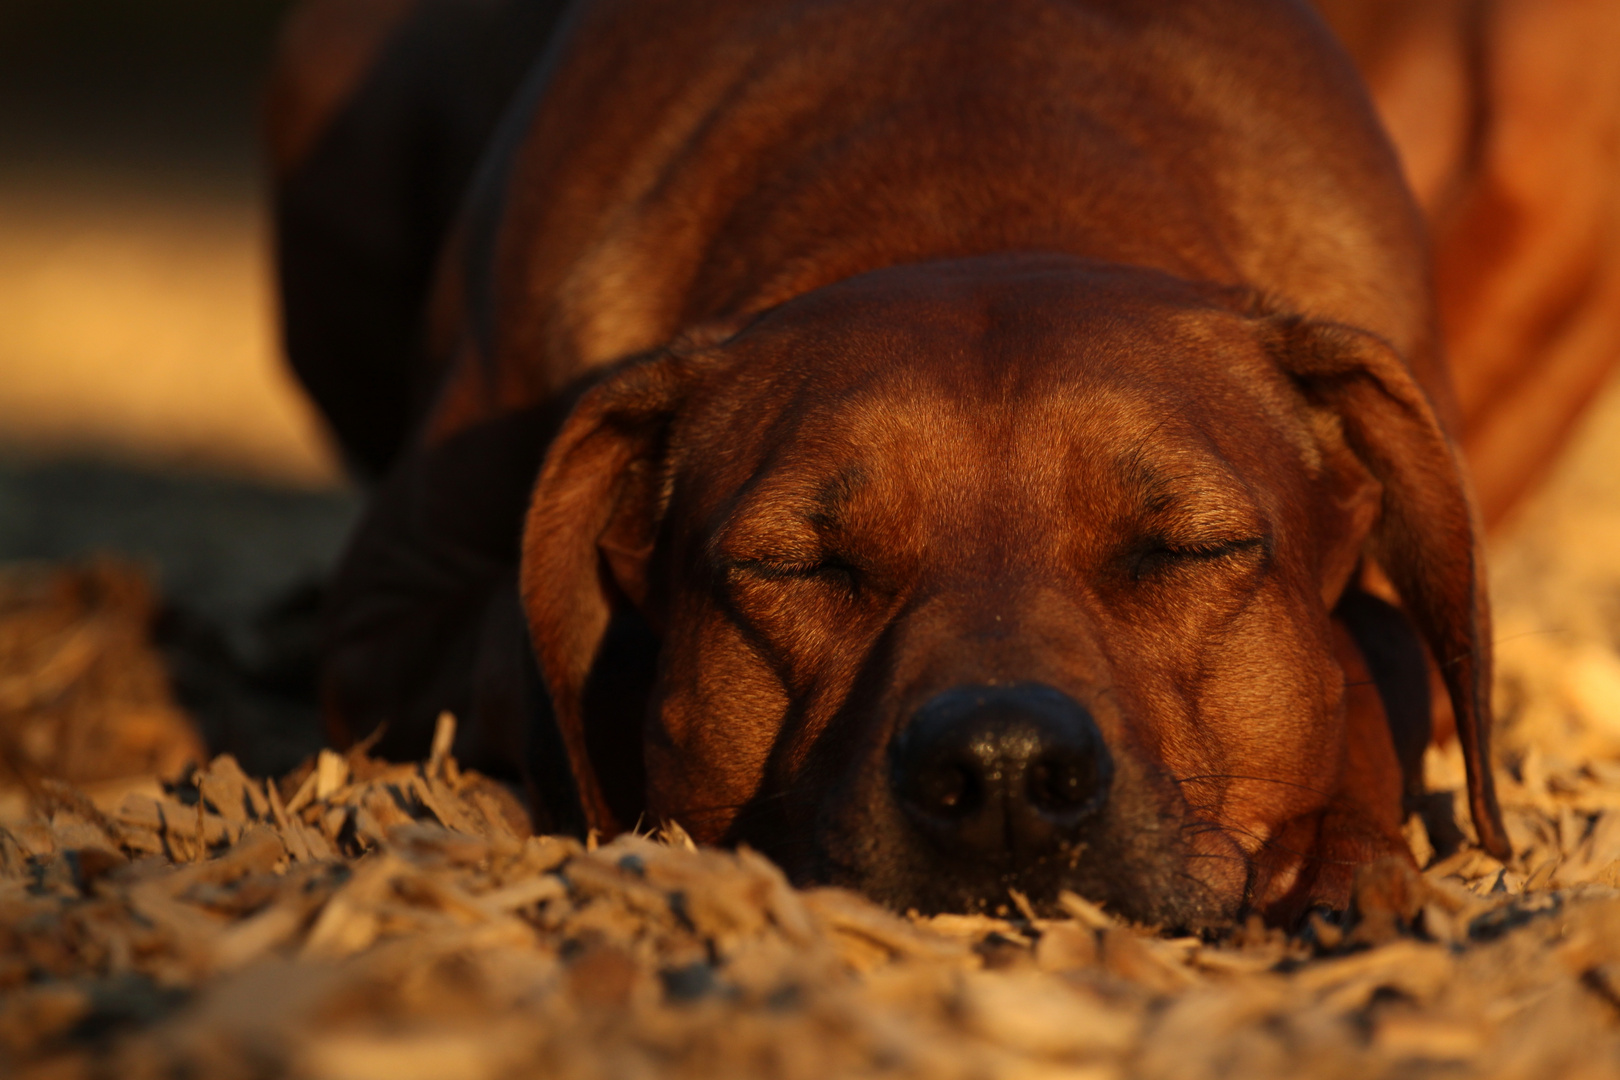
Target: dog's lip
x: 1137, y: 860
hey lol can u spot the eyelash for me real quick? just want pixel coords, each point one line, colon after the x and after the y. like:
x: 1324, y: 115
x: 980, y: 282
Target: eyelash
x: 827, y: 567
x: 1162, y: 555
x: 1159, y: 557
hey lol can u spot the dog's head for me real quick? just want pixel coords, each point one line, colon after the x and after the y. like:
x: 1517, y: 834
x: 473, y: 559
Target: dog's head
x: 1006, y: 573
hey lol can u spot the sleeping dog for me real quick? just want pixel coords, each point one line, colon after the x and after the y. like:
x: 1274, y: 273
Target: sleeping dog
x: 936, y: 443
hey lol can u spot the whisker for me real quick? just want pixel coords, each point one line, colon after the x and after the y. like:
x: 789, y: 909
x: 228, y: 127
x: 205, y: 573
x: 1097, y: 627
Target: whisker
x: 723, y: 808
x: 1270, y: 844
x: 1549, y: 631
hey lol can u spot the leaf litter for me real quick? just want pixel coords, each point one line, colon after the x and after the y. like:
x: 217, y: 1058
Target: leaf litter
x: 361, y: 919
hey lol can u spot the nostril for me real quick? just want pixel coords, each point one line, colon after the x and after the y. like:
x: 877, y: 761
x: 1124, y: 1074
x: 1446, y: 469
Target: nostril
x: 946, y: 789
x: 1065, y: 785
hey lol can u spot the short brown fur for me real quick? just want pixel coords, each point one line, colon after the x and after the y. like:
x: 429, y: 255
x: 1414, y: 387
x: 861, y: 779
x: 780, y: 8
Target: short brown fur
x: 921, y: 344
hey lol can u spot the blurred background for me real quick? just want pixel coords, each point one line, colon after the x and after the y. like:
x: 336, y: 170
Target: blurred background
x: 133, y: 290
x: 144, y: 409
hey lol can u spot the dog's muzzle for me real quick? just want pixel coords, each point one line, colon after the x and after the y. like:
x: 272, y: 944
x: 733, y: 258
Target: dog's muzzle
x: 1004, y: 775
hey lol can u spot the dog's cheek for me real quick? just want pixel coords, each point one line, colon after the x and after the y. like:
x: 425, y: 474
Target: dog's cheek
x: 1271, y: 718
x: 799, y: 627
x: 1174, y: 612
x: 1244, y: 712
x: 1162, y: 644
x: 716, y: 717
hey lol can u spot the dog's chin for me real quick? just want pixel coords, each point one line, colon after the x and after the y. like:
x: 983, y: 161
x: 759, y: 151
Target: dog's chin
x: 1138, y: 867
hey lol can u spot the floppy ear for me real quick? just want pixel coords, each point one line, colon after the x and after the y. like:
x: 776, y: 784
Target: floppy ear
x: 592, y: 524
x: 1426, y: 538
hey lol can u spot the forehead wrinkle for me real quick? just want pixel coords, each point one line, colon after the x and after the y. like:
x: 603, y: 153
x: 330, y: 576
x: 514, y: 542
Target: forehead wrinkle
x: 1192, y: 489
x: 1249, y: 377
x: 1163, y: 468
x: 917, y: 449
x: 792, y: 495
x: 832, y: 496
x: 950, y: 455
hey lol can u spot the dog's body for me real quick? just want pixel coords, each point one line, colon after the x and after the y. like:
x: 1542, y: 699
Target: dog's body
x: 986, y: 409
x: 1507, y: 116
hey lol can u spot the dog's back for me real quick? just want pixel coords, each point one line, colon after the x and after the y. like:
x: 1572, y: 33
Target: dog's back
x: 381, y: 108
x: 809, y: 141
x: 684, y: 165
x: 1507, y: 115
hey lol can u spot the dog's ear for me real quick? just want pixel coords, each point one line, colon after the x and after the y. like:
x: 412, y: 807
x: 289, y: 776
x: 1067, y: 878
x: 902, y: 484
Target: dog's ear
x: 1426, y: 538
x: 592, y: 525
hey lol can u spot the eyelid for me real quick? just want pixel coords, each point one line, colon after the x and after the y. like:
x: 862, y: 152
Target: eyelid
x: 1213, y: 549
x: 741, y: 550
x: 773, y: 568
x: 792, y: 567
x: 1158, y: 552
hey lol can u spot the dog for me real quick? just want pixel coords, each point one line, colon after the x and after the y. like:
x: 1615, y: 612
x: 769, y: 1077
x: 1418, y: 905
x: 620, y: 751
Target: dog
x: 941, y: 445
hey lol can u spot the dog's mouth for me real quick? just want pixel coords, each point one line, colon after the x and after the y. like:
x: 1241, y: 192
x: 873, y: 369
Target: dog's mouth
x: 995, y: 799
x: 1138, y: 862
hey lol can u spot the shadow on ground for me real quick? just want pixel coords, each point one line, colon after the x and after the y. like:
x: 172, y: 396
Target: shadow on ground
x: 238, y: 565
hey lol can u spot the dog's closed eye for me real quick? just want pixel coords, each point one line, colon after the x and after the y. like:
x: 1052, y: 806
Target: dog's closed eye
x: 1158, y: 555
x: 774, y: 568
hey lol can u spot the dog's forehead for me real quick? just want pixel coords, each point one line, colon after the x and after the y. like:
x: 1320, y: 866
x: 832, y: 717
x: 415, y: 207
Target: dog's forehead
x: 997, y: 333
x: 1031, y: 343
x: 949, y: 392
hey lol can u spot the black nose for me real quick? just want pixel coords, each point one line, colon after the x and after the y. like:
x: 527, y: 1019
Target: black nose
x: 1001, y: 772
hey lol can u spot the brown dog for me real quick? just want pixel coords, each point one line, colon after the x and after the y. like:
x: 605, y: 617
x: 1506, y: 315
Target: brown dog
x: 961, y: 427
